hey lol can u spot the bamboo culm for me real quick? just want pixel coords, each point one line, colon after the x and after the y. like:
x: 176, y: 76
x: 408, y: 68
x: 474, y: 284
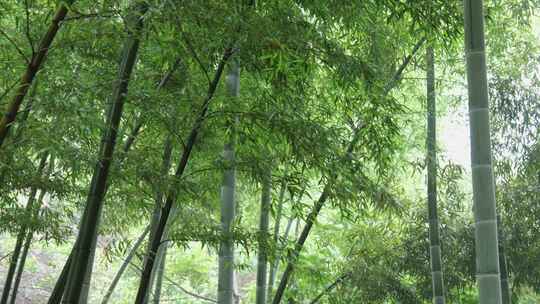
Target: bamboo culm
x: 329, y: 288
x: 60, y: 286
x: 171, y: 195
x: 262, y: 262
x: 127, y: 147
x: 165, y: 166
x: 310, y: 220
x: 486, y: 242
x: 433, y: 219
x: 26, y: 248
x: 505, y: 284
x: 124, y: 265
x: 274, y: 263
x: 22, y: 235
x: 228, y: 204
x: 91, y: 216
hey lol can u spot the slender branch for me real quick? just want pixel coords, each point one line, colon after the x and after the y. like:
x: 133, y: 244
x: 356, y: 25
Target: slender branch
x: 27, y: 31
x: 15, y: 45
x: 399, y: 72
x: 79, y: 16
x: 183, y: 289
x: 330, y: 288
x: 9, y: 88
x: 191, y: 49
x: 7, y: 255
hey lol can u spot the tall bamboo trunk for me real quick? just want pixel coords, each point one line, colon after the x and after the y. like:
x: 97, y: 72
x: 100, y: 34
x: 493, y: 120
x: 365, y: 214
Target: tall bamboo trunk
x: 127, y: 147
x: 486, y: 244
x: 59, y: 287
x: 171, y: 195
x: 262, y: 263
x: 161, y: 259
x: 20, y: 268
x: 160, y: 269
x: 31, y: 70
x: 431, y: 142
x: 505, y: 284
x: 165, y: 166
x: 92, y: 213
x: 26, y: 247
x: 88, y: 276
x: 277, y: 223
x: 124, y: 265
x: 22, y: 235
x: 310, y: 220
x: 228, y: 204
x: 293, y: 256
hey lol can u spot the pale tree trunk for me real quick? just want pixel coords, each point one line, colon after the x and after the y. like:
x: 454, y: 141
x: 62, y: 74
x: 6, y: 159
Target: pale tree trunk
x: 262, y: 263
x: 92, y: 213
x: 22, y: 235
x: 236, y: 289
x: 161, y: 259
x: 434, y: 236
x: 486, y: 243
x: 228, y: 205
x: 124, y: 265
x: 274, y: 264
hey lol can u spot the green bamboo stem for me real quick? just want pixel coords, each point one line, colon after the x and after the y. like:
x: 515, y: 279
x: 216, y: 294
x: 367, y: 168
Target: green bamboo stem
x: 486, y: 243
x: 431, y: 142
x: 78, y: 270
x: 260, y: 297
x: 228, y: 204
x: 22, y: 235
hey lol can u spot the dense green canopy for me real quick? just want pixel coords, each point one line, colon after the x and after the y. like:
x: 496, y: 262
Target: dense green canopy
x: 117, y: 141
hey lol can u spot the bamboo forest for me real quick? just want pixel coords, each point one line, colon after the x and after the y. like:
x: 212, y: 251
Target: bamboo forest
x: 271, y: 151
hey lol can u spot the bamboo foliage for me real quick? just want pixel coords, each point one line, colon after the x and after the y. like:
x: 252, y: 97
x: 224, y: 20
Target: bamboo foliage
x: 486, y: 241
x: 318, y: 100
